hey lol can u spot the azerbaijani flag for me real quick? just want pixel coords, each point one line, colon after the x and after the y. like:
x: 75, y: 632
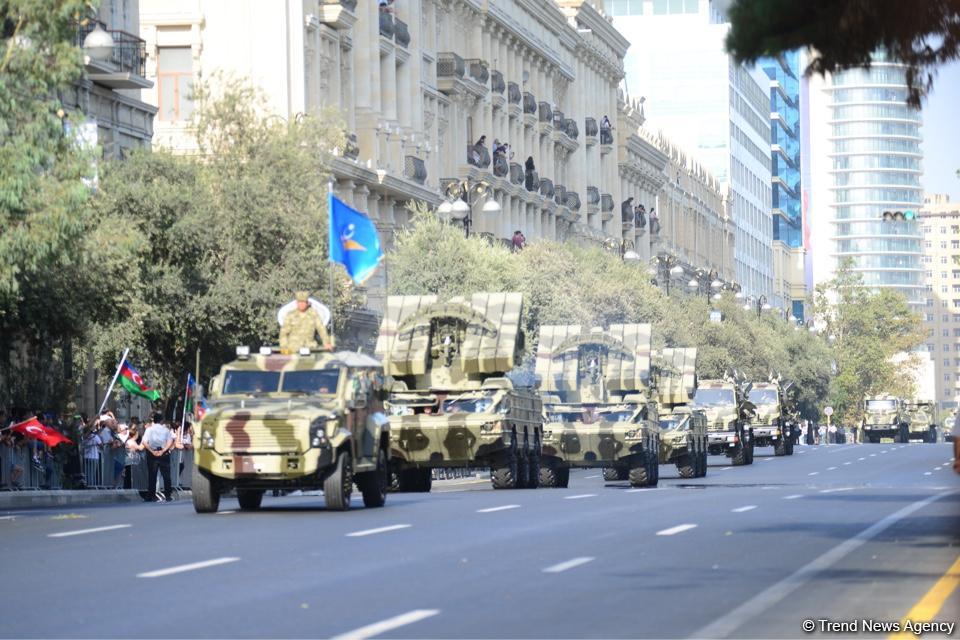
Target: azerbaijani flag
x: 131, y: 381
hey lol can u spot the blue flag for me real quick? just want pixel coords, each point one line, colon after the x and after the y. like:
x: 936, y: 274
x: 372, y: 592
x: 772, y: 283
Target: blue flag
x: 354, y: 242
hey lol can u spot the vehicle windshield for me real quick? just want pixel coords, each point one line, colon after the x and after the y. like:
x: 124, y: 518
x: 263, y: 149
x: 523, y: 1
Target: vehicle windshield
x: 564, y: 416
x: 237, y: 382
x: 315, y: 381
x: 881, y: 405
x: 763, y: 396
x: 713, y: 397
x: 472, y: 404
x: 617, y: 416
x: 673, y: 423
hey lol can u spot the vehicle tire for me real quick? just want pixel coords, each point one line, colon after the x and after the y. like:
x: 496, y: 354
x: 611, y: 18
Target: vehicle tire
x: 688, y: 465
x: 523, y: 469
x: 373, y: 484
x: 563, y: 477
x: 654, y: 467
x: 548, y: 477
x: 394, y: 484
x: 749, y: 452
x: 533, y: 481
x: 703, y: 463
x: 249, y: 499
x: 612, y: 474
x: 423, y: 480
x: 789, y: 447
x: 740, y: 457
x: 339, y: 485
x: 505, y: 475
x: 780, y: 447
x: 639, y: 475
x: 931, y: 437
x: 206, y: 493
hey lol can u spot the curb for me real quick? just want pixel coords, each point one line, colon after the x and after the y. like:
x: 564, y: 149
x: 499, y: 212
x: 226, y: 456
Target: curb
x: 19, y: 499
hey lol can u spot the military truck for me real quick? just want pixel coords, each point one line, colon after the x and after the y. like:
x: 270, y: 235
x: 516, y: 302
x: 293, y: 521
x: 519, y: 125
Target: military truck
x: 729, y: 416
x: 923, y: 416
x: 451, y: 403
x: 307, y: 420
x: 884, y: 419
x: 599, y: 410
x: 776, y: 417
x: 683, y: 431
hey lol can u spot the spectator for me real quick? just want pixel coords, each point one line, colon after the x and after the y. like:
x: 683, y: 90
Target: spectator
x: 605, y: 124
x: 640, y: 217
x: 518, y: 241
x: 184, y: 443
x: 127, y: 437
x: 476, y: 152
x: 386, y: 6
x: 91, y: 455
x: 654, y: 222
x: 626, y: 209
x: 157, y: 442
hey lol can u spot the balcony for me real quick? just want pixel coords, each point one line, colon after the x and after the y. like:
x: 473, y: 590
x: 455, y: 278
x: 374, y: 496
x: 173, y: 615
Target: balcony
x: 546, y: 112
x: 570, y: 128
x: 626, y: 219
x: 531, y: 181
x: 497, y: 85
x: 386, y: 24
x: 415, y: 169
x: 593, y: 196
x: 501, y: 168
x: 352, y: 148
x: 606, y: 136
x: 478, y: 156
x: 559, y: 193
x: 546, y: 187
x: 516, y: 173
x: 606, y: 203
x: 590, y: 128
x: 478, y: 70
x: 338, y: 14
x: 450, y: 65
x: 513, y: 93
x: 401, y: 32
x: 529, y: 102
x: 572, y: 200
x: 126, y: 66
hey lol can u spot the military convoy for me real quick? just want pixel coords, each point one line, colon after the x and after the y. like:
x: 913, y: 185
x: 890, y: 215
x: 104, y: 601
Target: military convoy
x: 600, y: 413
x: 885, y: 419
x: 451, y: 403
x: 683, y: 429
x: 775, y: 418
x: 923, y: 416
x: 729, y: 418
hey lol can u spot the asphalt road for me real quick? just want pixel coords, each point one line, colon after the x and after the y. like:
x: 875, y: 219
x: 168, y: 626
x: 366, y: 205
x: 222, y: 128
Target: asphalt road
x: 841, y: 533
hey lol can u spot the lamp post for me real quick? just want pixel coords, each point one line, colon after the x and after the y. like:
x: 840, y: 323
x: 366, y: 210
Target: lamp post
x: 729, y: 286
x: 462, y: 195
x: 667, y: 268
x: 762, y: 304
x: 705, y: 281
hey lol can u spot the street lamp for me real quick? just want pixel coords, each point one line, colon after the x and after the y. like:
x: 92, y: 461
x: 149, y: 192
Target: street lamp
x: 462, y: 195
x: 669, y: 266
x: 762, y: 304
x: 705, y: 281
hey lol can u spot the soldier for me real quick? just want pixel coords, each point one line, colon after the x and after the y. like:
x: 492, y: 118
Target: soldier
x: 300, y: 327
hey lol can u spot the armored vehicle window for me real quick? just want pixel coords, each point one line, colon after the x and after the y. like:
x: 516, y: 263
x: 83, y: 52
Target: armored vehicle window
x: 672, y: 424
x: 881, y: 405
x: 713, y: 397
x: 564, y: 416
x: 250, y: 382
x: 467, y: 405
x: 763, y: 396
x: 317, y: 381
x: 617, y: 416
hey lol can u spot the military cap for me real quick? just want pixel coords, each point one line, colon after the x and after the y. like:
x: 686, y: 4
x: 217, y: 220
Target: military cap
x: 303, y: 296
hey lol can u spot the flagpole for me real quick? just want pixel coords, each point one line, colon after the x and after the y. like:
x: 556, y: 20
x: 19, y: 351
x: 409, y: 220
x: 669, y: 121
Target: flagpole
x: 116, y: 375
x: 333, y: 305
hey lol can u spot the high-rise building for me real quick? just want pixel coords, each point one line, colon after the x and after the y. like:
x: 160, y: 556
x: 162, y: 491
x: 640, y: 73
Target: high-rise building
x: 865, y: 158
x: 716, y: 109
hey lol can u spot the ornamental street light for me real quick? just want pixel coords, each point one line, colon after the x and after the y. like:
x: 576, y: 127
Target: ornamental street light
x: 462, y: 195
x: 727, y: 286
x: 705, y: 281
x: 666, y: 268
x: 760, y: 304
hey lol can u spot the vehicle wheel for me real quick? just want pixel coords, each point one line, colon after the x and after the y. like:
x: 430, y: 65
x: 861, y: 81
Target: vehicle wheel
x: 505, y: 475
x: 548, y: 476
x: 373, y: 484
x: 688, y: 465
x: 611, y: 474
x: 206, y: 493
x: 749, y: 452
x: 789, y: 447
x: 640, y: 472
x: 780, y: 447
x: 740, y: 457
x: 423, y: 480
x: 249, y: 499
x: 394, y: 484
x: 703, y: 463
x: 523, y: 469
x: 654, y: 467
x: 563, y: 477
x: 533, y: 480
x: 931, y: 437
x: 338, y: 487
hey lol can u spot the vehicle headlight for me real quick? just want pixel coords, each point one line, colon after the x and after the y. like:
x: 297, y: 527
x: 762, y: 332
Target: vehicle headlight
x: 491, y: 427
x: 207, y: 439
x: 318, y: 432
x: 634, y: 434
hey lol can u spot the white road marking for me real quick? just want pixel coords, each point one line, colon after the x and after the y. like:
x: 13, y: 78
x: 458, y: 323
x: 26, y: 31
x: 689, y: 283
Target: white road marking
x: 501, y: 508
x: 159, y: 573
x: 802, y: 451
x: 370, y: 532
x: 749, y: 507
x: 883, y: 452
x: 769, y: 459
x: 861, y: 458
x: 793, y: 497
x: 726, y: 468
x: 814, y: 473
x: 590, y: 477
x: 379, y: 628
x: 639, y: 490
x: 582, y: 495
x: 226, y: 513
x: 837, y: 490
x: 80, y: 532
x: 680, y: 528
x: 831, y: 468
x: 569, y: 564
x: 845, y: 463
x: 927, y: 473
x: 873, y: 455
x: 767, y: 599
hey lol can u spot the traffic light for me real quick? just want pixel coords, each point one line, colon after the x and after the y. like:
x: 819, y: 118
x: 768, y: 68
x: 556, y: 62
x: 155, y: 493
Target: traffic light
x: 899, y: 216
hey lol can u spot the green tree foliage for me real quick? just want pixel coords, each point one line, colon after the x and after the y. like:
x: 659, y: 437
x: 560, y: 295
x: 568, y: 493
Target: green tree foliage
x: 845, y: 33
x: 869, y: 328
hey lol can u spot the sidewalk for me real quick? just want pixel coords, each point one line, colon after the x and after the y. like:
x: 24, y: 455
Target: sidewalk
x: 62, y: 497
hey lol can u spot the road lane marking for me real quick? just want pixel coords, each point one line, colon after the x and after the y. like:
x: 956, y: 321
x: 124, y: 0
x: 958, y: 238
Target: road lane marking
x: 370, y: 532
x: 8, y: 517
x: 831, y: 468
x: 873, y: 455
x: 80, y: 532
x: 769, y: 459
x: 569, y: 564
x: 680, y: 528
x: 379, y: 628
x: 226, y: 513
x: 582, y: 495
x: 837, y: 490
x: 159, y: 573
x: 501, y: 508
x: 767, y: 599
x: 883, y: 452
x: 814, y: 473
x: 927, y: 473
x: 590, y: 477
x: 793, y: 497
x: 749, y: 507
x: 639, y: 490
x: 930, y: 604
x: 845, y: 463
x: 861, y: 458
x: 726, y: 468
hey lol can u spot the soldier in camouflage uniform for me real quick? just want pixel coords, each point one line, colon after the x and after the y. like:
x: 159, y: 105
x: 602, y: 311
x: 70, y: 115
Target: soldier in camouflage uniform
x: 300, y: 327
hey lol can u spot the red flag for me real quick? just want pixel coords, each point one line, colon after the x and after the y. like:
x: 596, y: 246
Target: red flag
x: 33, y: 429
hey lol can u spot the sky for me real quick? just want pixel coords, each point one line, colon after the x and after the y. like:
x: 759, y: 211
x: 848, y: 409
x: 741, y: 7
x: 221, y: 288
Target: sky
x: 941, y: 134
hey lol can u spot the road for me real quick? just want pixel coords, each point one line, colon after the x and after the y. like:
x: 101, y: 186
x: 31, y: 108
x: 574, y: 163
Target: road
x: 839, y: 533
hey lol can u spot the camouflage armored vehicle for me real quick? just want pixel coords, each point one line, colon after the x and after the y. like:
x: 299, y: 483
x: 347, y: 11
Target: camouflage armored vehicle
x: 596, y: 393
x: 923, y: 417
x: 310, y: 420
x: 451, y: 404
x: 729, y: 415
x: 776, y: 418
x: 683, y: 431
x: 884, y: 419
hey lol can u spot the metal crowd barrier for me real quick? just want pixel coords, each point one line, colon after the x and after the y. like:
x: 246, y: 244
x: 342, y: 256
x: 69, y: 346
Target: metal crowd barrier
x: 179, y: 480
x: 29, y: 466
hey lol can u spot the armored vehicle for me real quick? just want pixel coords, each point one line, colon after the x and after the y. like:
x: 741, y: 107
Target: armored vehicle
x: 308, y: 420
x: 729, y: 415
x: 923, y: 418
x: 451, y: 404
x: 683, y: 431
x: 776, y: 418
x: 884, y: 419
x: 596, y: 393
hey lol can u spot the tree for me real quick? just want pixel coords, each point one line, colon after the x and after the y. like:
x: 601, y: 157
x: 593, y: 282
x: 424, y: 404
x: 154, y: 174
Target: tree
x: 846, y: 33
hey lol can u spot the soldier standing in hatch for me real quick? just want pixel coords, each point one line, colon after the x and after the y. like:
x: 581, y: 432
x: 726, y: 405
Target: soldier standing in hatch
x: 300, y: 327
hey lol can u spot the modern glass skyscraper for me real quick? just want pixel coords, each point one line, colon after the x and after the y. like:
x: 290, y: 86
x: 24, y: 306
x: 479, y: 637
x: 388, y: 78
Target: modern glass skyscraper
x: 865, y: 159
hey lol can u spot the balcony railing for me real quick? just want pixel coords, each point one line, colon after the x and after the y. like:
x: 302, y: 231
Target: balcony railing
x: 531, y: 181
x: 559, y: 193
x: 546, y: 187
x: 478, y: 70
x: 546, y: 112
x: 497, y: 85
x: 606, y: 203
x: 129, y: 51
x: 386, y: 24
x: 558, y: 119
x: 352, y: 148
x: 478, y: 156
x: 529, y: 102
x: 513, y: 93
x: 593, y: 195
x: 402, y: 33
x: 350, y: 5
x: 606, y: 136
x: 590, y: 127
x: 627, y: 217
x: 572, y: 200
x: 516, y: 173
x: 415, y: 169
x: 501, y: 168
x: 570, y: 128
x: 450, y: 64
